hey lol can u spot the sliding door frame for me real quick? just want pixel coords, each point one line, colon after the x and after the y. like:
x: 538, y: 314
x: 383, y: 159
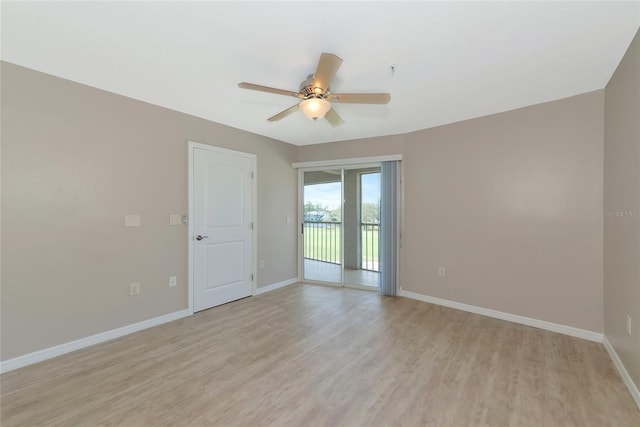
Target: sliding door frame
x: 301, y: 172
x: 342, y: 165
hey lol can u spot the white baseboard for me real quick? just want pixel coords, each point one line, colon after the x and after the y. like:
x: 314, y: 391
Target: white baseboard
x: 48, y: 353
x: 273, y: 287
x: 633, y: 389
x: 541, y: 324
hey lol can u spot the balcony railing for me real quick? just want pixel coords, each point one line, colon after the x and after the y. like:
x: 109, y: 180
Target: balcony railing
x: 369, y: 239
x: 322, y: 242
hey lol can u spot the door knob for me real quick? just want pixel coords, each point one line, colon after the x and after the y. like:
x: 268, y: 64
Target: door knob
x: 200, y: 237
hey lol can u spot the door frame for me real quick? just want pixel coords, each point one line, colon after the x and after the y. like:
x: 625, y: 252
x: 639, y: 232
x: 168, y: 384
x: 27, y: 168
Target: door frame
x: 301, y: 172
x: 191, y: 147
x: 350, y: 163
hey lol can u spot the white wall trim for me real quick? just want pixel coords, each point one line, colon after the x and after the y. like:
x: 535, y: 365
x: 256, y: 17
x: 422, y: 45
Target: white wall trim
x: 343, y: 162
x: 633, y: 389
x: 300, y: 223
x: 58, y: 350
x: 190, y: 148
x: 274, y: 286
x: 541, y: 324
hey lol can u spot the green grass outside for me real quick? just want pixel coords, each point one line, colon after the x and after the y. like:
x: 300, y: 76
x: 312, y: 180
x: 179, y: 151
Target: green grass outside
x: 370, y: 244
x: 323, y: 243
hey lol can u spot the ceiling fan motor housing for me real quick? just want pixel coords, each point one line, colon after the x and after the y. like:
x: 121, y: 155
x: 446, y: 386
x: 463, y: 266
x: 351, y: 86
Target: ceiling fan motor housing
x: 308, y: 91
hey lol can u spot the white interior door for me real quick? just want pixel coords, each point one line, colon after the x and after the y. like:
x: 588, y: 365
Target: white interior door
x: 222, y: 192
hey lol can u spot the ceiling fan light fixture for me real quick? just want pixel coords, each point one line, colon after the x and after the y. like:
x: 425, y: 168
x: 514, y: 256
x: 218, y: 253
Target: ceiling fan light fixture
x: 315, y: 108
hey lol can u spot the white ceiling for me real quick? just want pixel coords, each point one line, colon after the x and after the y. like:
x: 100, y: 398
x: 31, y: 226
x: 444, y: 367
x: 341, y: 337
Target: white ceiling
x: 454, y: 60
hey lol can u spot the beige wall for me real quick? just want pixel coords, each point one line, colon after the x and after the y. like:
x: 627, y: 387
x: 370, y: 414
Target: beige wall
x: 510, y: 204
x: 75, y: 160
x: 622, y: 209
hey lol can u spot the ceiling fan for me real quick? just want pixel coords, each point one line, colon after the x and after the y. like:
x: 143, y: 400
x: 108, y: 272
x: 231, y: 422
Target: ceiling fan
x: 316, y: 96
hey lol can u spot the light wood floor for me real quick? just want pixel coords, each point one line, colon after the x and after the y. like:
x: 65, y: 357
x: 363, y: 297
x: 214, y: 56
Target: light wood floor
x: 317, y: 356
x: 328, y: 272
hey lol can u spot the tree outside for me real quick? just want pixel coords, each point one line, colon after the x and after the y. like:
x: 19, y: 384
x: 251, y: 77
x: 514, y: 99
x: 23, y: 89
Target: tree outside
x: 371, y: 213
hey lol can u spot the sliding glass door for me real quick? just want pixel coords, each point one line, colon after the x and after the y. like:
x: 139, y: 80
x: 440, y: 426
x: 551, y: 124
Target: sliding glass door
x: 322, y: 226
x: 362, y: 227
x: 341, y: 226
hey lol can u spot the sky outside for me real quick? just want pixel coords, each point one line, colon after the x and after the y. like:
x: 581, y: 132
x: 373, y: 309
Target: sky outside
x: 329, y: 194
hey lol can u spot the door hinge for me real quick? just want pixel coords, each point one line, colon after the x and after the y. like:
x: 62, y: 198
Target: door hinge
x: 252, y: 277
x: 251, y: 175
x: 302, y: 228
x: 251, y: 225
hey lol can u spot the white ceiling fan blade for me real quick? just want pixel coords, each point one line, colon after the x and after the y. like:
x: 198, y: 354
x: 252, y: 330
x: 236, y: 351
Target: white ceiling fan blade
x: 360, y: 98
x: 283, y: 114
x: 268, y: 89
x: 333, y: 118
x: 327, y: 67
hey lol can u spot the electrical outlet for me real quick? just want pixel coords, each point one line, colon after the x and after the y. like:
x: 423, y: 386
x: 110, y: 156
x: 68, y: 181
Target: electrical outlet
x: 173, y: 281
x: 261, y: 263
x: 442, y: 271
x: 628, y: 325
x: 134, y: 289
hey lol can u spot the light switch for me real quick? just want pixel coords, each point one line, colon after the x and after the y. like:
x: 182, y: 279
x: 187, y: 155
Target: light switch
x: 132, y: 220
x: 134, y: 289
x: 175, y: 219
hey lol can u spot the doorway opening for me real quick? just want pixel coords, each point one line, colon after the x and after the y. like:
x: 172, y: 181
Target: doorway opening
x: 341, y: 226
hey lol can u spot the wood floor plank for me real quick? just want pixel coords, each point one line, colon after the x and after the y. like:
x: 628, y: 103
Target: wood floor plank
x: 319, y: 356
